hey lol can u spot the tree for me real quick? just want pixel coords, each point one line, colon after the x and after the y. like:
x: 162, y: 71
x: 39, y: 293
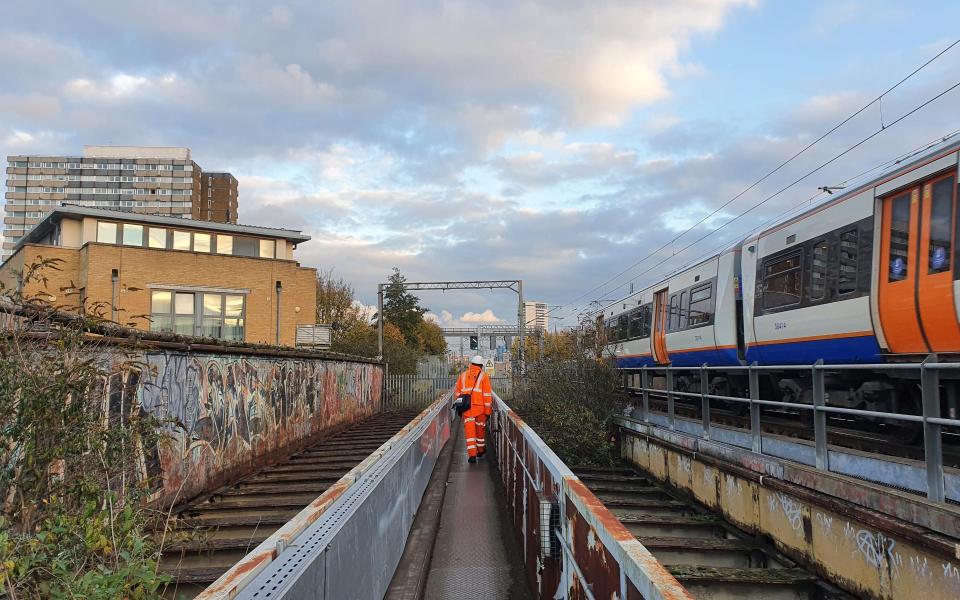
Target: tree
x: 562, y: 346
x: 336, y: 305
x: 361, y: 340
x: 402, y: 308
x: 430, y: 337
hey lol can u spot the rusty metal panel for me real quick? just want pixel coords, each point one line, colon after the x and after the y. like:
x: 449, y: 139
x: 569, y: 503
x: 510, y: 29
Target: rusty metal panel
x: 602, y: 559
x: 598, y: 565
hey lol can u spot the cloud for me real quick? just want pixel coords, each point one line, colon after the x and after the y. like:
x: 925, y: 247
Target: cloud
x: 486, y: 316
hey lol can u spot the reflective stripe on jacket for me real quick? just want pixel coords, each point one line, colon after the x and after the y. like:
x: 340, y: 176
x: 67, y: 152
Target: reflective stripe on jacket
x: 475, y: 382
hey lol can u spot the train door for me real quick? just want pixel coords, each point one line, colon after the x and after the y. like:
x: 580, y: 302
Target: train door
x: 660, y: 301
x: 917, y: 244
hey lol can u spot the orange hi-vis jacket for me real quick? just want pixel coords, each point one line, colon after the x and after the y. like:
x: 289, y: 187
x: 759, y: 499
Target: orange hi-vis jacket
x: 475, y: 382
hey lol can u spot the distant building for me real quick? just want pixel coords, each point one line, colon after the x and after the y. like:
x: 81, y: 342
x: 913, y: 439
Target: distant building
x: 535, y: 315
x: 218, y: 198
x: 168, y: 274
x: 130, y: 178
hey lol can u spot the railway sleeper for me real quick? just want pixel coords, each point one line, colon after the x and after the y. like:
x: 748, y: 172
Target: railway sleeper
x: 710, y: 557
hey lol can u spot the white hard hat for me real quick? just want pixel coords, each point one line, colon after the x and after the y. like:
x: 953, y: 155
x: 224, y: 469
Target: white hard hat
x: 477, y: 360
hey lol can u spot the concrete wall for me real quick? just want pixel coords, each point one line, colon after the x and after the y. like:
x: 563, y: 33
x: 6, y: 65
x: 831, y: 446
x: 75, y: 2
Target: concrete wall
x: 868, y: 554
x: 225, y: 415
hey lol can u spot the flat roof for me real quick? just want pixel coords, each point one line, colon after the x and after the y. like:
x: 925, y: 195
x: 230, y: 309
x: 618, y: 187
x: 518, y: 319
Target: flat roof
x: 78, y: 212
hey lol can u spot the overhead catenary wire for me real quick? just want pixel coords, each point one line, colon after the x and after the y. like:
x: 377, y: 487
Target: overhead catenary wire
x: 777, y: 169
x: 809, y: 201
x: 815, y: 170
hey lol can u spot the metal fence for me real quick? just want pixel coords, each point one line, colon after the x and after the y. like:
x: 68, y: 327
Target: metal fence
x: 930, y: 418
x: 416, y: 391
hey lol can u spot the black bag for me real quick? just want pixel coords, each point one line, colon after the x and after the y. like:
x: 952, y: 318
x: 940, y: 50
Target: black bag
x: 463, y: 404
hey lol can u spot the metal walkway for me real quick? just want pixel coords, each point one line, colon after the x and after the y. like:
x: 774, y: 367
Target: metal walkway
x: 475, y: 554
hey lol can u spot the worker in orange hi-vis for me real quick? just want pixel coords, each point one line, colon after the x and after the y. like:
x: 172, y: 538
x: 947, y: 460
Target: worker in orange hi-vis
x: 475, y: 402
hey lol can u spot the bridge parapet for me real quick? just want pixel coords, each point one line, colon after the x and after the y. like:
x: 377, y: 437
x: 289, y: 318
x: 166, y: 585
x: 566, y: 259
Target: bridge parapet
x: 573, y: 546
x: 226, y: 413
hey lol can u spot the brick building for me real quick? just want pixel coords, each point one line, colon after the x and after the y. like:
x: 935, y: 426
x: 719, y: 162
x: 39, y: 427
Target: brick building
x: 191, y: 277
x: 148, y: 180
x: 218, y: 198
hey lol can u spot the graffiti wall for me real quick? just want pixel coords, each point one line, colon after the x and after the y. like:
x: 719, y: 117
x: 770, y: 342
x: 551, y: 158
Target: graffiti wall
x: 224, y: 415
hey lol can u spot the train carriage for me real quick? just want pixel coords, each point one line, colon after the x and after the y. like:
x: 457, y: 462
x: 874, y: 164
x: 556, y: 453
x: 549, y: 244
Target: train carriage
x: 871, y: 276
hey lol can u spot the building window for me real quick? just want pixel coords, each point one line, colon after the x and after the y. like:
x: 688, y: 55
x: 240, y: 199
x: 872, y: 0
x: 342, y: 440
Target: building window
x: 198, y: 313
x: 181, y: 240
x: 106, y: 232
x: 267, y: 248
x: 158, y: 237
x: 224, y: 244
x: 201, y: 242
x: 160, y: 319
x: 183, y: 313
x: 132, y: 235
x: 244, y: 246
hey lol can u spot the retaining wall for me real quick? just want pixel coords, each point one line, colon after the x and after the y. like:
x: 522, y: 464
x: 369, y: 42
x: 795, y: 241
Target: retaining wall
x: 866, y: 552
x: 227, y: 414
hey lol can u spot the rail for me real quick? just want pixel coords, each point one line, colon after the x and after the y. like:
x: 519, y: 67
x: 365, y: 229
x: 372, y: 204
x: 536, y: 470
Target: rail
x: 418, y: 391
x: 930, y: 417
x: 572, y: 545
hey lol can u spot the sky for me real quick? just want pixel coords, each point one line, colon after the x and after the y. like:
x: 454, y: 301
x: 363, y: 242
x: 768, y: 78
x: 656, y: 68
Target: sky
x: 568, y: 144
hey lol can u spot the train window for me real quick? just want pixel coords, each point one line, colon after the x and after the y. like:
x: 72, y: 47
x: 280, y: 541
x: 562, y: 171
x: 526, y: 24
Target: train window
x: 622, y: 325
x: 674, y: 313
x: 611, y: 331
x: 899, y: 237
x: 684, y: 309
x: 647, y: 320
x: 847, y: 275
x: 818, y: 271
x: 636, y: 323
x: 700, y: 306
x: 941, y: 211
x: 781, y: 282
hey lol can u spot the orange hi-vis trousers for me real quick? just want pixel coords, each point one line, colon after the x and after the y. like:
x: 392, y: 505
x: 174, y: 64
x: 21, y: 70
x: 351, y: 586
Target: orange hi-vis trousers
x: 475, y: 433
x: 476, y: 384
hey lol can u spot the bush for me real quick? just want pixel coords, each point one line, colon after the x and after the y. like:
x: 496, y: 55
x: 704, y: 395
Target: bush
x: 75, y: 521
x: 570, y: 405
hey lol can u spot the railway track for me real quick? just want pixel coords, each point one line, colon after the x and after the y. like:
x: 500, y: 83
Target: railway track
x: 710, y: 557
x: 217, y: 531
x: 773, y: 422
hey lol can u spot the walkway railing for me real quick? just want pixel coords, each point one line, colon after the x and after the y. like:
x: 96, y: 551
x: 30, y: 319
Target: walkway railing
x: 573, y: 546
x: 348, y: 542
x: 417, y: 391
x: 927, y: 373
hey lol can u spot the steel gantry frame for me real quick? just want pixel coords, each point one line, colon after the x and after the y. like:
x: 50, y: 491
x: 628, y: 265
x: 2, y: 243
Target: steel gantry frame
x: 507, y: 284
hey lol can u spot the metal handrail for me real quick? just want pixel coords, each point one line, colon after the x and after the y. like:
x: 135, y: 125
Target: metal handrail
x: 929, y: 371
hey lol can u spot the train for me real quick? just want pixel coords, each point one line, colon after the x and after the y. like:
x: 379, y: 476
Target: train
x: 869, y: 277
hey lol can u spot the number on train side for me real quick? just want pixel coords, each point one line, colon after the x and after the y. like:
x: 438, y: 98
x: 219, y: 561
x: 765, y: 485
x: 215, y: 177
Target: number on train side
x: 780, y: 325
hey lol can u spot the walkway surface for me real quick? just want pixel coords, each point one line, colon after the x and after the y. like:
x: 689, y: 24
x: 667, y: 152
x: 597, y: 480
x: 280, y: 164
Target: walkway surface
x: 475, y: 555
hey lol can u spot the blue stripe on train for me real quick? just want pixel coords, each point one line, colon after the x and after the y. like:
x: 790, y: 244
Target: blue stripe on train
x: 712, y: 356
x: 634, y: 362
x: 692, y: 358
x: 861, y: 349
